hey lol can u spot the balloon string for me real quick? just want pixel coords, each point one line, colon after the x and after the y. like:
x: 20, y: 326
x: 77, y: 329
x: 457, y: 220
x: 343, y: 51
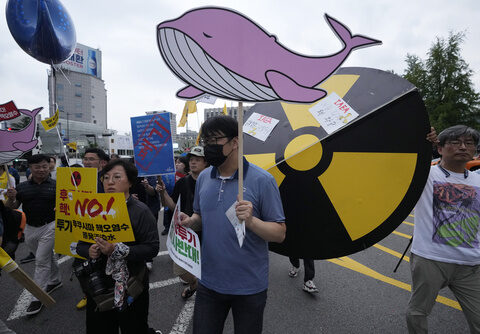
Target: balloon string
x: 61, y: 71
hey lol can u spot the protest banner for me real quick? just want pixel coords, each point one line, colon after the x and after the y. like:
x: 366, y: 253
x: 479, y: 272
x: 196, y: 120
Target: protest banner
x: 8, y: 111
x: 183, y: 245
x: 86, y: 182
x: 82, y: 214
x: 152, y: 144
x: 50, y: 123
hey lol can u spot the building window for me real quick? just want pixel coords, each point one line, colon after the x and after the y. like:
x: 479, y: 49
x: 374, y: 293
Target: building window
x: 112, y: 140
x: 59, y: 86
x: 78, y: 94
x: 94, y: 121
x: 78, y: 85
x: 60, y: 98
x: 78, y: 115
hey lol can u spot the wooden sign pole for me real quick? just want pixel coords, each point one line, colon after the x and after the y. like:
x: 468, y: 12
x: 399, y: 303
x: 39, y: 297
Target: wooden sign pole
x: 12, y: 268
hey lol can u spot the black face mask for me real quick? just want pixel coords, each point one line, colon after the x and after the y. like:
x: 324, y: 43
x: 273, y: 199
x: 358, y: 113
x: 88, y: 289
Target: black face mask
x: 214, y: 154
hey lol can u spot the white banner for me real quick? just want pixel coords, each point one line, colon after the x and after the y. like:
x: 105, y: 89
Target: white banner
x: 183, y: 245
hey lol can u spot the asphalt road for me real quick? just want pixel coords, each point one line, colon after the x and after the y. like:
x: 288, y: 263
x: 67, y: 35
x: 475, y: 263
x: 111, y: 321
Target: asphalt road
x: 357, y: 294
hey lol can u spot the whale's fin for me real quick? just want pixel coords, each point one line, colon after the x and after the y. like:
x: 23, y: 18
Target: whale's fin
x: 288, y: 90
x: 189, y: 92
x: 351, y: 42
x: 25, y: 146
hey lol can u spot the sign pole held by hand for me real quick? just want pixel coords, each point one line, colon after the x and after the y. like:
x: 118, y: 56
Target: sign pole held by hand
x: 240, y: 150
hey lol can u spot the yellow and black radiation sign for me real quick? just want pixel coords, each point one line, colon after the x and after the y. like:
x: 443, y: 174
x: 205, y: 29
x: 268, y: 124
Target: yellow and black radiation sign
x: 346, y: 191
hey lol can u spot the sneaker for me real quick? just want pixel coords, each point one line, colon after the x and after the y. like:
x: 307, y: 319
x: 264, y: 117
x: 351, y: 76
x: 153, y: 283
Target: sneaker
x: 53, y: 287
x: 29, y: 258
x: 34, y: 307
x: 149, y: 266
x: 82, y: 303
x: 183, y: 281
x: 293, y: 271
x: 309, y: 286
x: 164, y: 232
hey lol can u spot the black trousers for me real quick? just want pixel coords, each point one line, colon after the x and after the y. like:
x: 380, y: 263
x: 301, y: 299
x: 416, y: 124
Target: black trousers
x: 309, y: 267
x: 211, y: 310
x: 132, y: 320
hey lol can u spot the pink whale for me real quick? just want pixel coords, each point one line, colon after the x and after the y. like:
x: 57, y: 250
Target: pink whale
x: 14, y: 143
x: 223, y: 53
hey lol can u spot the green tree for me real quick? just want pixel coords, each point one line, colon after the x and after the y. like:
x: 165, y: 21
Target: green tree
x: 444, y: 81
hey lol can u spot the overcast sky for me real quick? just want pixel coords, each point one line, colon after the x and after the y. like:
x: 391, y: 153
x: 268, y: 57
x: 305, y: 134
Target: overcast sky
x: 137, y: 80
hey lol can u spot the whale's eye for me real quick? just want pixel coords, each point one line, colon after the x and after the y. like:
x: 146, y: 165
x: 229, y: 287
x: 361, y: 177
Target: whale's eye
x: 206, y: 35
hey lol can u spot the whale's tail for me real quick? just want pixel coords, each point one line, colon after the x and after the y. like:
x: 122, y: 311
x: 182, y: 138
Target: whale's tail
x: 351, y: 42
x: 32, y: 113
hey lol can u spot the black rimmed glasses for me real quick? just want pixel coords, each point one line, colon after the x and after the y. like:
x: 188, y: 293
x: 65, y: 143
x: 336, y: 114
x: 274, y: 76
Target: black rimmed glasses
x: 458, y: 143
x: 212, y: 140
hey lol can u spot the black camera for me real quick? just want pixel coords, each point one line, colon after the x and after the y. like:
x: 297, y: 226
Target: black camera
x: 92, y: 277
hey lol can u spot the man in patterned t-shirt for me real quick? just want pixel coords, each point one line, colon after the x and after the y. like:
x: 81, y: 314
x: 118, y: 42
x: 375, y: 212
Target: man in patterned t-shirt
x: 446, y: 243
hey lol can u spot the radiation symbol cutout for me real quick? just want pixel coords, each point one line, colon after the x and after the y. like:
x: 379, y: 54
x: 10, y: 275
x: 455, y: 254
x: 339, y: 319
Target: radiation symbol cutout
x: 344, y: 191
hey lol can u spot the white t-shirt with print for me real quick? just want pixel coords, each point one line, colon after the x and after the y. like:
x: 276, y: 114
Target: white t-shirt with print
x: 447, y: 218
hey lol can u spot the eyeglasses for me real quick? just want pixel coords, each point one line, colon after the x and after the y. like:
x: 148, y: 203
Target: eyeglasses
x: 115, y: 178
x: 211, y: 140
x: 458, y: 143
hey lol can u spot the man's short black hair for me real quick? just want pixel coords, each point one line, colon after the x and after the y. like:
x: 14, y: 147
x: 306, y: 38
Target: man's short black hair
x: 130, y: 169
x: 53, y: 157
x: 219, y: 124
x: 37, y: 158
x: 100, y: 153
x: 457, y: 131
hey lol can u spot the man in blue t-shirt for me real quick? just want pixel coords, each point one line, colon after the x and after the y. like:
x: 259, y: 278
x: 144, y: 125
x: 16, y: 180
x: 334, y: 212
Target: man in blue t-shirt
x: 233, y: 276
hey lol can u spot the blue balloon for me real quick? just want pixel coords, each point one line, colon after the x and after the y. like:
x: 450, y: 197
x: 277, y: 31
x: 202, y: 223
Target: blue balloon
x: 42, y: 28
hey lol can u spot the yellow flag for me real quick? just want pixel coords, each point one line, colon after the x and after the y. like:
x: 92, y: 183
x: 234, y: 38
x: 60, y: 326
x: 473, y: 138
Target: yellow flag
x: 225, y: 109
x: 197, y: 142
x: 189, y: 108
x: 192, y: 106
x: 50, y: 123
x: 72, y: 145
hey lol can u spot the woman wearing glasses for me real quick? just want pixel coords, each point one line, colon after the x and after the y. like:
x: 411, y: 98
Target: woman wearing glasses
x: 122, y: 260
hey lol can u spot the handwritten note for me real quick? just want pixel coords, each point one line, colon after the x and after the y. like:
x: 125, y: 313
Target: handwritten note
x: 333, y: 113
x: 259, y: 126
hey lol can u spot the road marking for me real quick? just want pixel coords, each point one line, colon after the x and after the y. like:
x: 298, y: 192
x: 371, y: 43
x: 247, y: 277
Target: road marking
x: 402, y: 234
x: 358, y: 267
x: 410, y: 215
x: 391, y: 251
x: 161, y: 284
x: 20, y: 308
x: 183, y: 320
x: 408, y: 223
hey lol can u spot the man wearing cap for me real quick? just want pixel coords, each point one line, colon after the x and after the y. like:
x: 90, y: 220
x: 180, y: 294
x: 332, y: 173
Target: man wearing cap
x: 185, y: 189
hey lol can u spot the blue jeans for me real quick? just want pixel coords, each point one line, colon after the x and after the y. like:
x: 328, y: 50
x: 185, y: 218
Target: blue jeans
x: 211, y: 310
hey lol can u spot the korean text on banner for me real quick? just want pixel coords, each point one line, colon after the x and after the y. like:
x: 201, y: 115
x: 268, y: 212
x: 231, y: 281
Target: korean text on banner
x: 184, y: 246
x: 50, y: 123
x: 333, y: 113
x: 152, y: 144
x: 8, y: 111
x: 86, y: 181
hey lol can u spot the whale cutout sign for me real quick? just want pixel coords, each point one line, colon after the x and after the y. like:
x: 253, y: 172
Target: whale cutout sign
x: 13, y: 144
x: 221, y: 52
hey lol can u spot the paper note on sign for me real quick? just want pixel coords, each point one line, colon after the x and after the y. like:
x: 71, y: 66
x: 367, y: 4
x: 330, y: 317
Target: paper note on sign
x: 333, y: 113
x: 259, y: 126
